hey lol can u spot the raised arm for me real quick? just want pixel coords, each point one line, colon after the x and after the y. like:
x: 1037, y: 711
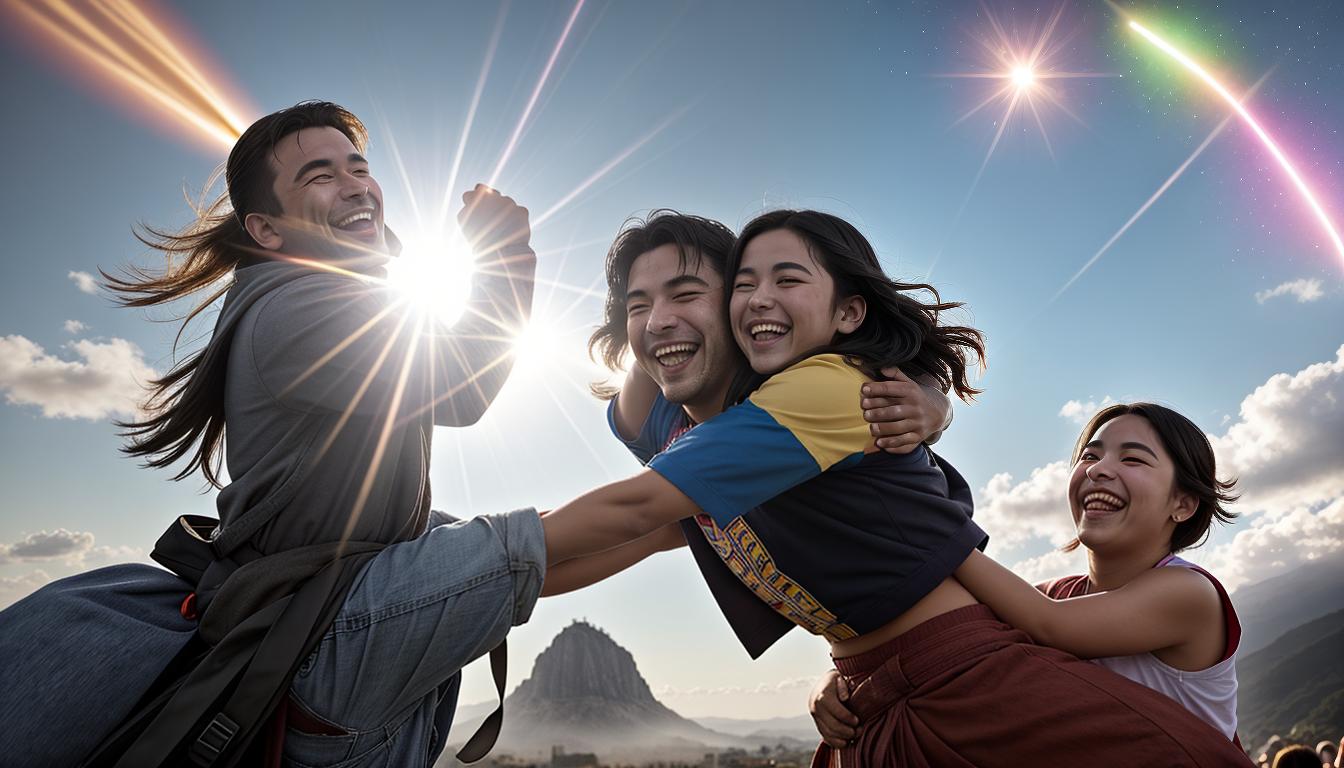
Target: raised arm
x: 633, y: 404
x: 1162, y: 608
x: 481, y: 343
x: 903, y: 412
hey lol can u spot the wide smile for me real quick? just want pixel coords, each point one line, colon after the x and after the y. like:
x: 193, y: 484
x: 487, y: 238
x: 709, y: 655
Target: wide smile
x: 1099, y: 504
x: 674, y: 356
x: 766, y: 333
x: 360, y: 223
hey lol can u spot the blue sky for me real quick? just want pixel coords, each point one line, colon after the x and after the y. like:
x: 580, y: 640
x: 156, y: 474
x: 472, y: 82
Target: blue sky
x: 750, y: 106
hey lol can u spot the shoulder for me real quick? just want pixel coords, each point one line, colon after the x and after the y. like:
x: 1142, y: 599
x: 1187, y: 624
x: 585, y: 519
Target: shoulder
x: 821, y: 383
x: 1183, y: 591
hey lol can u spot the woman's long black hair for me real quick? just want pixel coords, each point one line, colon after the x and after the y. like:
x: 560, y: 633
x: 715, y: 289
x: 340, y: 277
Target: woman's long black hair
x: 898, y: 329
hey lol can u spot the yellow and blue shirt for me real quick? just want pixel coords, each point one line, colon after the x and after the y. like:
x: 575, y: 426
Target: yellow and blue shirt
x: 832, y: 533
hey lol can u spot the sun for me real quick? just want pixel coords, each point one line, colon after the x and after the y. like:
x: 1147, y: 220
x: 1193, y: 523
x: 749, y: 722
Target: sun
x: 1023, y: 77
x: 434, y: 271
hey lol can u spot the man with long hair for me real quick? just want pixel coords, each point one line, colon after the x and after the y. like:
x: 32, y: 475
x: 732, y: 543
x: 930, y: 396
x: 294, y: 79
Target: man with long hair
x: 319, y: 387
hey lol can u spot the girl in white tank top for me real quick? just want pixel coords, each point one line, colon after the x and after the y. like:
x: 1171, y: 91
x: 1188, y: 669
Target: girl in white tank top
x: 1143, y: 487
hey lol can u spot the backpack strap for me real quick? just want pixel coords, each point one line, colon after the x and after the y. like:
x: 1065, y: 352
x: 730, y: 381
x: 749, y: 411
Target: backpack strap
x: 483, y: 740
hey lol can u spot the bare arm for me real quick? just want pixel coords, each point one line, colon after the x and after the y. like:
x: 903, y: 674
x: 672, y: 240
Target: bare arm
x: 612, y: 515
x: 634, y: 403
x: 1162, y: 608
x: 580, y: 572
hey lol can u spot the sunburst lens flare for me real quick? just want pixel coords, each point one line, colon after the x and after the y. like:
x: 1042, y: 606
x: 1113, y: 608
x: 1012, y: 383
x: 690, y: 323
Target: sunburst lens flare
x: 1023, y: 77
x: 434, y: 273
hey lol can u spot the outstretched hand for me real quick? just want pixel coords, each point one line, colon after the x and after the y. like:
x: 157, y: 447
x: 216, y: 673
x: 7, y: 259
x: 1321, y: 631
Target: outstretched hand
x: 836, y: 724
x: 901, y: 413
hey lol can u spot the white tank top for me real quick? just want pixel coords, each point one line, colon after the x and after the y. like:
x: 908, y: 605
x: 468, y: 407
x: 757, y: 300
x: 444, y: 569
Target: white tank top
x: 1209, y: 693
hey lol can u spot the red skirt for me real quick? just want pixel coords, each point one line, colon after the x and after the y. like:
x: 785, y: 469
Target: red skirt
x: 965, y: 689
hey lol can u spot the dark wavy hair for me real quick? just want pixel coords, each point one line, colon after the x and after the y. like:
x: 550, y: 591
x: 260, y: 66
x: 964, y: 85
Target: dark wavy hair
x: 898, y: 328
x: 1192, y: 456
x: 186, y: 410
x: 697, y: 240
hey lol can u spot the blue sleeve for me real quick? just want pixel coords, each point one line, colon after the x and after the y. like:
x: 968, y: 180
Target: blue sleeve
x: 664, y: 418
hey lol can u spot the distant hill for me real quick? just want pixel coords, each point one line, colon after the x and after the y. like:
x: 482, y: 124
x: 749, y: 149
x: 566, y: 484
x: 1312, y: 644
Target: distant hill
x: 1271, y: 607
x: 585, y: 694
x: 1295, y: 685
x: 792, y: 729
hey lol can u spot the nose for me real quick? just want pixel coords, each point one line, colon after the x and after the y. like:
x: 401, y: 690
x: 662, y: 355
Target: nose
x: 760, y: 299
x: 1099, y: 470
x: 662, y: 318
x: 354, y: 187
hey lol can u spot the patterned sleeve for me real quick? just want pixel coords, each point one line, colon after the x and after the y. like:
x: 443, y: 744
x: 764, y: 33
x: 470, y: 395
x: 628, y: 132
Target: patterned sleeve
x: 803, y: 421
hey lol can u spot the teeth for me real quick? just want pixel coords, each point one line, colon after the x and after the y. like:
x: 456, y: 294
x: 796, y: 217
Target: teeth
x: 1101, y: 497
x: 352, y: 218
x: 761, y: 328
x: 675, y: 354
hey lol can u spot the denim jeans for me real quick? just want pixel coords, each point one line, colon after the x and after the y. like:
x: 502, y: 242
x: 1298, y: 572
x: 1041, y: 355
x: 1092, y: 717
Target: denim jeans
x: 76, y: 655
x: 386, y: 674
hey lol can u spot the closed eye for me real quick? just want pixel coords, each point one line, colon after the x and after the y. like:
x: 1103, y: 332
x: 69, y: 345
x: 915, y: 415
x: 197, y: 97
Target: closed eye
x: 741, y: 286
x: 687, y: 295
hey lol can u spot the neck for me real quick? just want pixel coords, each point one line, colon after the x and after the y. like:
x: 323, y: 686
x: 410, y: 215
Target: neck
x: 1106, y: 572
x: 707, y: 405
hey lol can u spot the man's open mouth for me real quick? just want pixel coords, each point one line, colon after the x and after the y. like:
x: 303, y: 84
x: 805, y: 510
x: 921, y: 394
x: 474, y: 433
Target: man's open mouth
x: 359, y: 221
x: 675, y: 354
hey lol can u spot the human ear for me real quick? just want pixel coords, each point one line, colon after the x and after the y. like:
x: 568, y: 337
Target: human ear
x: 851, y: 312
x: 1185, y: 508
x: 263, y: 231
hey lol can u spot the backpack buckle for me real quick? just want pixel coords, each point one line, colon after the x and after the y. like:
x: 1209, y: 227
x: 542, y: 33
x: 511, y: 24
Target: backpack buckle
x: 213, y: 740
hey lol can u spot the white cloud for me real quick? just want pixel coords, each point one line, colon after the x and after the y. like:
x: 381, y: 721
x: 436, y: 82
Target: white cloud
x: 1271, y: 546
x: 42, y: 545
x: 1286, y: 447
x: 74, y: 326
x: 16, y: 588
x: 1079, y: 412
x: 1051, y: 565
x: 1304, y: 290
x: 108, y: 380
x: 1036, y: 508
x: 84, y: 281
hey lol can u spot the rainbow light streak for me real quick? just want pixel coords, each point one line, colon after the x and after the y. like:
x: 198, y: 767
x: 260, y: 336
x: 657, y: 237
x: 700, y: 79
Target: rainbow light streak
x: 127, y: 44
x: 1246, y: 116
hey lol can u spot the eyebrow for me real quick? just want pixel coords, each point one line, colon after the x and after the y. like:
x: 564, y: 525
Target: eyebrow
x: 779, y: 267
x: 353, y: 157
x: 1123, y: 446
x: 676, y: 282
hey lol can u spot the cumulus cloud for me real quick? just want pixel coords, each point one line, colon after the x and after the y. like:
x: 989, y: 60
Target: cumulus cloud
x: 1285, y: 446
x: 107, y: 379
x: 1036, y: 508
x: 42, y: 545
x: 13, y: 589
x: 1079, y: 412
x: 84, y: 281
x: 1304, y: 290
x: 74, y: 326
x: 1051, y: 565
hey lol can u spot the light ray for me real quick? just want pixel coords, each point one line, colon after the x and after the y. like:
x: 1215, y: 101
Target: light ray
x: 1153, y: 199
x: 536, y: 93
x: 125, y: 44
x: 607, y: 167
x: 1250, y: 120
x: 450, y: 191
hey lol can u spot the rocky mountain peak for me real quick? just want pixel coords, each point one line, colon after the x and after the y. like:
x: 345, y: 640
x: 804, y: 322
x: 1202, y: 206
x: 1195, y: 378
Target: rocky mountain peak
x: 583, y: 662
